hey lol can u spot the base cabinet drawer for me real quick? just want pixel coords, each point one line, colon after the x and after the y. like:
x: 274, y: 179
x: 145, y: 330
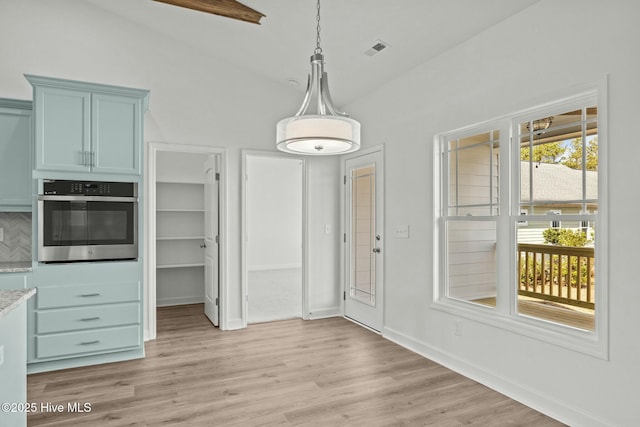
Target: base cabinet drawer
x: 79, y: 295
x: 77, y: 343
x: 91, y: 317
x: 84, y: 313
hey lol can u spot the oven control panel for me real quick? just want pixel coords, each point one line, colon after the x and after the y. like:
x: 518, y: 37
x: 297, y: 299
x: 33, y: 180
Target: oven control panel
x: 89, y: 188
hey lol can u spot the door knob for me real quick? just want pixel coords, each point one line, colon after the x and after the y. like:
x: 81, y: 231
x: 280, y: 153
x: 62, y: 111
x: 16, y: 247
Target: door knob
x: 376, y: 250
x: 204, y: 245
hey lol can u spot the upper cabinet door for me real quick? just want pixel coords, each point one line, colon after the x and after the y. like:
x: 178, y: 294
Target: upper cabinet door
x: 62, y: 126
x: 88, y: 127
x: 116, y: 134
x: 15, y: 155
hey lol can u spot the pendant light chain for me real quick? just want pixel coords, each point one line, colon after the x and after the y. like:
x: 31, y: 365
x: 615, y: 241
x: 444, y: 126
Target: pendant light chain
x: 326, y: 131
x: 318, y: 48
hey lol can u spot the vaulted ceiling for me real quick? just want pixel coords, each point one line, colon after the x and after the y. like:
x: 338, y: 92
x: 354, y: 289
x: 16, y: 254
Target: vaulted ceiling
x: 279, y: 48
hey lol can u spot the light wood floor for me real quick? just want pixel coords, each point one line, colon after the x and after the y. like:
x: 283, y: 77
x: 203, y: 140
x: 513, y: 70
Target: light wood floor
x: 324, y: 372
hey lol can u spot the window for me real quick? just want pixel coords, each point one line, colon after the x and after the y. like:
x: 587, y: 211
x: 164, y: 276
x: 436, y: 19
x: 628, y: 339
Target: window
x: 472, y: 208
x: 519, y: 207
x: 555, y: 223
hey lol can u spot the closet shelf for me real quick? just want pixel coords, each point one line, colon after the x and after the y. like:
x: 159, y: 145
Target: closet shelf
x: 179, y: 238
x: 178, y: 181
x: 179, y: 210
x: 191, y: 265
x: 180, y: 218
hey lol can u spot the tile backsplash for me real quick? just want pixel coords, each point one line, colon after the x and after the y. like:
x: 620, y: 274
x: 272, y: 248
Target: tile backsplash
x: 16, y: 246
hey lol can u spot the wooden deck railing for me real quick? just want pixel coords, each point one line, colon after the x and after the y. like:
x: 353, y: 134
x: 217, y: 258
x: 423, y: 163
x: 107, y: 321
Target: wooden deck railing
x: 561, y: 274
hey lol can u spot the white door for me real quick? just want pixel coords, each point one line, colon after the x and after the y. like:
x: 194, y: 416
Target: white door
x: 364, y: 239
x: 273, y: 215
x: 211, y: 292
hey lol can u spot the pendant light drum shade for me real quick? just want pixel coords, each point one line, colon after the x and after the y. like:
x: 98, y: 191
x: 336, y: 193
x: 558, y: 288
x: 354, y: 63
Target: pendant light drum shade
x: 328, y: 131
x: 318, y: 134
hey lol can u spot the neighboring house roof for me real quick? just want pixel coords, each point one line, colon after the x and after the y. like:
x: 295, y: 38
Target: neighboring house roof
x: 557, y: 183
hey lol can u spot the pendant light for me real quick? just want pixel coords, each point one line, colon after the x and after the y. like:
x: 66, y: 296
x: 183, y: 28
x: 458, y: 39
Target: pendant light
x: 326, y: 132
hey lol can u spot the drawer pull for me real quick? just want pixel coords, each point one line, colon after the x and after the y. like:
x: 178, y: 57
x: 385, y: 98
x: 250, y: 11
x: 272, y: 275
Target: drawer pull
x: 97, y: 294
x: 89, y: 342
x: 88, y: 319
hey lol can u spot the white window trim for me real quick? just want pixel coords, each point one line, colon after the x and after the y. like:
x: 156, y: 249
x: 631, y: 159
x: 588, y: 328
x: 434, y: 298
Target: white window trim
x: 504, y: 316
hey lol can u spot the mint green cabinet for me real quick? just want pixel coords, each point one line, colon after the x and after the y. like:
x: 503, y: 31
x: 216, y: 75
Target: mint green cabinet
x: 85, y: 313
x: 62, y: 129
x: 13, y: 372
x: 87, y: 127
x: 10, y: 281
x: 116, y: 134
x: 15, y: 155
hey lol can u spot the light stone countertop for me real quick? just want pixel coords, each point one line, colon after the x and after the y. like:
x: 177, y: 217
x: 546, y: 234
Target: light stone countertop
x: 15, y: 267
x: 12, y: 299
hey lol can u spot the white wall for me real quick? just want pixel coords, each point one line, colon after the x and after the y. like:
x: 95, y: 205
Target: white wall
x: 493, y: 74
x: 195, y: 98
x: 324, y: 244
x: 274, y: 212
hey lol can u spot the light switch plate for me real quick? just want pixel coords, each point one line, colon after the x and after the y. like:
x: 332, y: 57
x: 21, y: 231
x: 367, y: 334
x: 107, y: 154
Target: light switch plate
x: 1, y: 354
x: 401, y: 231
x: 1, y: 234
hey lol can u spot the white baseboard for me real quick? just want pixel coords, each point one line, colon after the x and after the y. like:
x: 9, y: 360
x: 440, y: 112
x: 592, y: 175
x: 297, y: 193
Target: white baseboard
x: 324, y: 313
x: 272, y: 319
x: 147, y: 334
x: 234, y: 324
x: 164, y: 302
x: 531, y: 398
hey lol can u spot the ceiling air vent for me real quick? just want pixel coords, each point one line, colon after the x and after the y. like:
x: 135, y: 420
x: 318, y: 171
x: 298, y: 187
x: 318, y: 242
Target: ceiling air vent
x: 377, y: 47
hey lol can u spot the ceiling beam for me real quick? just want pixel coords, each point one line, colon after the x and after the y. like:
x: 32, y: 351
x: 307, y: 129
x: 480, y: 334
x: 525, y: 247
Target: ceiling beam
x: 228, y: 8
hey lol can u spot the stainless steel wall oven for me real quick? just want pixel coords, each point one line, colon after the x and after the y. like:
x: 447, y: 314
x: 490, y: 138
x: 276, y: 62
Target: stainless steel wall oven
x: 87, y: 221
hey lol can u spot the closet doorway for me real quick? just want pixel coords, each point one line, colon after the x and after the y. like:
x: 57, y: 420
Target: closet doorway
x: 185, y: 233
x: 273, y: 230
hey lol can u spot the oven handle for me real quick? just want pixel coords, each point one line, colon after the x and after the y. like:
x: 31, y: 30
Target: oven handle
x: 86, y: 198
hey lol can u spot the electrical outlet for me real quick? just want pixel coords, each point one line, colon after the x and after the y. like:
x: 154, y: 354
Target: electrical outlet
x: 457, y: 327
x: 1, y: 234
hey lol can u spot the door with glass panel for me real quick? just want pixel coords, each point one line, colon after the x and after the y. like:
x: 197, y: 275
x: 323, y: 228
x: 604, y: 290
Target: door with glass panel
x: 364, y: 240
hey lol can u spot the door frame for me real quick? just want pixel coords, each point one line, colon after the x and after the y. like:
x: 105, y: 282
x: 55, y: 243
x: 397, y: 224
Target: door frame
x: 344, y: 274
x: 243, y: 233
x: 149, y: 294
